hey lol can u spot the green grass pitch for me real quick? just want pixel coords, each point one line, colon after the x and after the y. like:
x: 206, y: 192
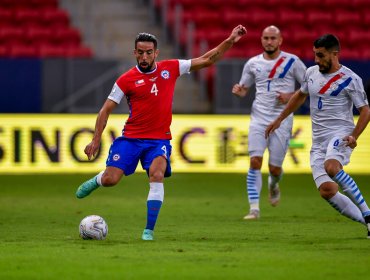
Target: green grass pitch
x: 200, y: 233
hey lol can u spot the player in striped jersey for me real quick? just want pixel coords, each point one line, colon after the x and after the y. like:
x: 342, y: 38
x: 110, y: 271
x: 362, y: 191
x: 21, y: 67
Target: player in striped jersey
x: 275, y: 73
x: 148, y: 88
x: 333, y: 89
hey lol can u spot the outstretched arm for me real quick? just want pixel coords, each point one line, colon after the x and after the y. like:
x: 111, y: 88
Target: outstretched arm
x: 215, y: 54
x: 294, y: 103
x: 101, y: 121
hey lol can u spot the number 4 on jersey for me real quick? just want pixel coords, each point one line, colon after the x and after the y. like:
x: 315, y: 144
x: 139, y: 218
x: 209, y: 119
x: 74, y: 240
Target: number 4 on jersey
x: 154, y: 89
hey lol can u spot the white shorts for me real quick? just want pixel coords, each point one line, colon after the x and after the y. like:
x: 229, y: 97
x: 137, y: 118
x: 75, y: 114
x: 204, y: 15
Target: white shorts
x: 277, y: 143
x: 320, y: 152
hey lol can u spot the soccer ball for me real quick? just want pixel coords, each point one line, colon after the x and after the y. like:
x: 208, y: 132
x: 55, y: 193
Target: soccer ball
x: 93, y: 227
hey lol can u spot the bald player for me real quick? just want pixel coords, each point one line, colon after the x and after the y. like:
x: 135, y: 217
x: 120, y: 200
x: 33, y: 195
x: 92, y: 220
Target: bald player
x: 274, y: 73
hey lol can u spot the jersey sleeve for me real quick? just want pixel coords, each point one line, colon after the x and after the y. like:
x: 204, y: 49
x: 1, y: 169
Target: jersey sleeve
x: 357, y: 92
x: 116, y: 94
x: 304, y: 84
x: 247, y: 78
x: 184, y: 66
x: 299, y: 71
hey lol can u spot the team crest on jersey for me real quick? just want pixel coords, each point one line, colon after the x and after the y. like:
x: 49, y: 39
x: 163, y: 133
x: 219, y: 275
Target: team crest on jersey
x: 116, y: 157
x: 334, y: 86
x: 165, y: 74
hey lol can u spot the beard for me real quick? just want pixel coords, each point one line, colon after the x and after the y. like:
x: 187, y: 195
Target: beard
x: 270, y: 51
x: 325, y: 68
x: 147, y: 67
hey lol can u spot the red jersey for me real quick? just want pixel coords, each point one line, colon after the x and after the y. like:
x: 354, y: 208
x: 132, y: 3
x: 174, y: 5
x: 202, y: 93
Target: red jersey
x: 149, y: 97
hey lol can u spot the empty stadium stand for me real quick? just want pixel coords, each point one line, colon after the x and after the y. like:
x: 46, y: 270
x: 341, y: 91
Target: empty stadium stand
x: 205, y: 23
x: 38, y: 29
x: 301, y: 21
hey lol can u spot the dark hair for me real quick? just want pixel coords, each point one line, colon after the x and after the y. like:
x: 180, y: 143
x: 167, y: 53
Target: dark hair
x: 328, y: 41
x: 146, y: 37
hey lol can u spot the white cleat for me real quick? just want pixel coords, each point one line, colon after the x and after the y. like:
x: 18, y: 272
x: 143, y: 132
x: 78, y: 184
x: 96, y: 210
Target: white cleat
x: 254, y: 214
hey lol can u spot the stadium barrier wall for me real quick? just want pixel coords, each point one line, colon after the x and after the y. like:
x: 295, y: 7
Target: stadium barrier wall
x: 20, y: 85
x: 43, y: 143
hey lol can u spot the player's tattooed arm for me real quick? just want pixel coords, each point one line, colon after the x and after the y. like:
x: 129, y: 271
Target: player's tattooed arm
x: 216, y: 53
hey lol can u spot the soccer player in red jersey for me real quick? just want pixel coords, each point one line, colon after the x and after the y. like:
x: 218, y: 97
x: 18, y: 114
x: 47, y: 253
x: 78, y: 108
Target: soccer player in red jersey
x: 148, y: 88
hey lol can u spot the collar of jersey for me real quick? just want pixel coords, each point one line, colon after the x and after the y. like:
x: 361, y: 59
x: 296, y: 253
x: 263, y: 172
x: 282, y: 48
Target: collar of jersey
x: 155, y: 69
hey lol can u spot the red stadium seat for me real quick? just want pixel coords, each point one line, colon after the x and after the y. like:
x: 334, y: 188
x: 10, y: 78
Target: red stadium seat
x: 253, y: 37
x: 350, y: 54
x: 262, y: 17
x: 280, y: 4
x: 359, y: 37
x: 319, y: 17
x: 66, y: 36
x: 302, y: 37
x: 300, y: 52
x: 38, y: 28
x: 38, y: 35
x: 49, y: 51
x: 4, y: 51
x: 289, y: 17
x: 309, y: 4
x: 345, y: 17
x: 43, y: 4
x: 343, y: 4
x: 22, y: 51
x: 366, y: 17
x: 360, y: 4
x: 27, y: 17
x: 233, y: 17
x: 364, y: 53
x: 6, y: 16
x: 235, y: 53
x: 340, y: 33
x: 305, y: 53
x: 55, y: 18
x: 34, y: 4
x: 12, y: 34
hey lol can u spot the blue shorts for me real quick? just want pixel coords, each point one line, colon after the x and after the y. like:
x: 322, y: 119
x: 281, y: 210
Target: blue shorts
x: 125, y: 154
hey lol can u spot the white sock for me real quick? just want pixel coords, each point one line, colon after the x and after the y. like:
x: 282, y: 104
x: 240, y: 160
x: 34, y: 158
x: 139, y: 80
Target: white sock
x: 254, y: 186
x: 346, y: 207
x: 351, y: 189
x: 98, y: 178
x: 156, y: 191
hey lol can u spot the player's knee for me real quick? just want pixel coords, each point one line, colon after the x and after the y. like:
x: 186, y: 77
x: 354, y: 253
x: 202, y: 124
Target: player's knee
x: 156, y: 176
x: 256, y: 162
x: 328, y: 190
x: 332, y: 167
x: 275, y: 170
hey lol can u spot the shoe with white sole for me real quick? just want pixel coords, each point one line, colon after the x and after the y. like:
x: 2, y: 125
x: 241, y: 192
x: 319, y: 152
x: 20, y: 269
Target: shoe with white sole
x: 148, y: 234
x: 253, y: 214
